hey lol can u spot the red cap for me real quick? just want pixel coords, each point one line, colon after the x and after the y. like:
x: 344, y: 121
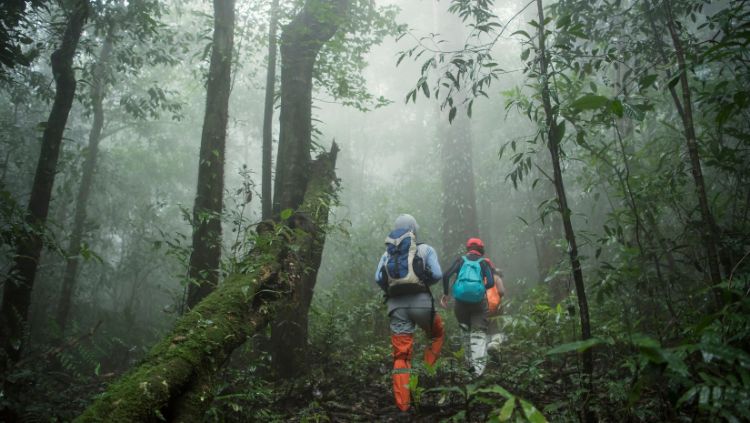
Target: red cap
x: 474, y: 243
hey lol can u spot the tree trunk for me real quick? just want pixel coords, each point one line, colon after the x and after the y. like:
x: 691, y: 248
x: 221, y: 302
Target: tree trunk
x: 459, y: 214
x: 266, y: 178
x: 709, y: 230
x: 301, y: 40
x: 459, y: 196
x: 162, y: 386
x: 98, y: 85
x: 553, y: 143
x: 20, y: 281
x: 204, y: 264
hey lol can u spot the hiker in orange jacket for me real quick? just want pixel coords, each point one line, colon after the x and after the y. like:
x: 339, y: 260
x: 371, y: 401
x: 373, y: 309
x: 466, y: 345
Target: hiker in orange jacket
x: 405, y: 272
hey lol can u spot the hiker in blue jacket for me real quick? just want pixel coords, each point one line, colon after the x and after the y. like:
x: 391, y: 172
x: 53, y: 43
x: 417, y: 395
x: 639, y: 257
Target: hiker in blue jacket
x: 405, y: 272
x: 473, y: 278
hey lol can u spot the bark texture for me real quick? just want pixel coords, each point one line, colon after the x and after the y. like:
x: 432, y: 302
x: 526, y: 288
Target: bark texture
x: 209, y: 200
x: 20, y: 281
x: 301, y: 41
x: 98, y: 87
x: 173, y: 381
x: 553, y: 143
x: 266, y: 177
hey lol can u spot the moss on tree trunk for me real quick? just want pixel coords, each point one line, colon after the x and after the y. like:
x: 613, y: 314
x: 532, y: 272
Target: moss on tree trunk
x: 244, y: 303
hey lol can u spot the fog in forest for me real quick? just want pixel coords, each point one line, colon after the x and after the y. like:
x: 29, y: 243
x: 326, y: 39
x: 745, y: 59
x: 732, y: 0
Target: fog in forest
x: 196, y: 196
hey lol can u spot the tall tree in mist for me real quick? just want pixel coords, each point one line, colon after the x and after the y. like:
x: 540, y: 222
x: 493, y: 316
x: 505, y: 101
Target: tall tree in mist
x: 301, y: 41
x: 457, y: 175
x: 266, y: 175
x: 204, y: 264
x: 457, y: 165
x: 554, y: 135
x: 20, y: 281
x: 97, y: 93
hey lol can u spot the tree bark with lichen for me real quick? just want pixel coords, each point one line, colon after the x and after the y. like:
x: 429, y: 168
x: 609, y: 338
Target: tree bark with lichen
x: 173, y: 382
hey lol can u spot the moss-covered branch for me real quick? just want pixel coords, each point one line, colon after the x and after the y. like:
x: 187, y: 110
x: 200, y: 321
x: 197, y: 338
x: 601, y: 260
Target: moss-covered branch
x: 243, y: 304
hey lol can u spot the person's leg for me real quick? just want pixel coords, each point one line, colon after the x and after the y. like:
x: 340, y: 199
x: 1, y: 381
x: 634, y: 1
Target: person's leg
x: 478, y: 337
x: 463, y: 316
x: 431, y: 323
x: 402, y: 341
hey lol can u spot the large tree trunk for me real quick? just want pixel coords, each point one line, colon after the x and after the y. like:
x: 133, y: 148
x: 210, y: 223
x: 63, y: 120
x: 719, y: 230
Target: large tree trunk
x: 459, y: 214
x: 19, y: 283
x: 301, y: 41
x: 205, y: 258
x: 457, y: 175
x: 266, y: 178
x: 168, y: 384
x: 553, y: 143
x: 98, y: 85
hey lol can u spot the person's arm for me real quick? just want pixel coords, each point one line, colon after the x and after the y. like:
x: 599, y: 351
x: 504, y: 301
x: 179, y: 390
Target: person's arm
x: 447, y: 276
x: 446, y: 281
x: 487, y: 271
x: 431, y: 262
x: 379, y: 273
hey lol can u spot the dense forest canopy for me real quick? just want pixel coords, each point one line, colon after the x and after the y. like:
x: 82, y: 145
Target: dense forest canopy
x: 195, y: 196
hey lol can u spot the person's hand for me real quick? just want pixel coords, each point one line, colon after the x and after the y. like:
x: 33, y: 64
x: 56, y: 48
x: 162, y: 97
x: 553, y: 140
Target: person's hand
x: 444, y: 301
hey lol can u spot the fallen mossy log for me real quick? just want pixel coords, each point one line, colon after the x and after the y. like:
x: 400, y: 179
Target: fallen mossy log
x: 243, y: 304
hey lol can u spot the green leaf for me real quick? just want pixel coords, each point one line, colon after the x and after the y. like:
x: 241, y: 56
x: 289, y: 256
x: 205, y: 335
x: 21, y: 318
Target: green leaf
x: 496, y: 390
x: 451, y: 114
x: 525, y: 54
x: 579, y: 346
x: 507, y: 411
x: 425, y: 90
x: 590, y: 102
x: 616, y: 108
x: 647, y: 81
x: 532, y: 414
x: 286, y: 214
x: 522, y: 32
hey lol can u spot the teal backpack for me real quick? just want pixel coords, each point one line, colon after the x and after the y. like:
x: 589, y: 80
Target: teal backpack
x: 469, y: 285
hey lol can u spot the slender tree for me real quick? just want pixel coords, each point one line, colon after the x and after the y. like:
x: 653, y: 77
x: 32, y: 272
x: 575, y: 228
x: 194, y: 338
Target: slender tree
x: 553, y: 144
x: 204, y: 260
x: 709, y: 229
x: 266, y: 192
x: 301, y: 40
x: 20, y: 281
x: 98, y: 91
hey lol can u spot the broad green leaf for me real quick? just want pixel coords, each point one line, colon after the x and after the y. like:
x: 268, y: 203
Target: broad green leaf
x: 647, y: 81
x: 579, y: 346
x: 507, y: 410
x: 616, y: 108
x: 496, y: 390
x: 531, y: 412
x: 590, y: 102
